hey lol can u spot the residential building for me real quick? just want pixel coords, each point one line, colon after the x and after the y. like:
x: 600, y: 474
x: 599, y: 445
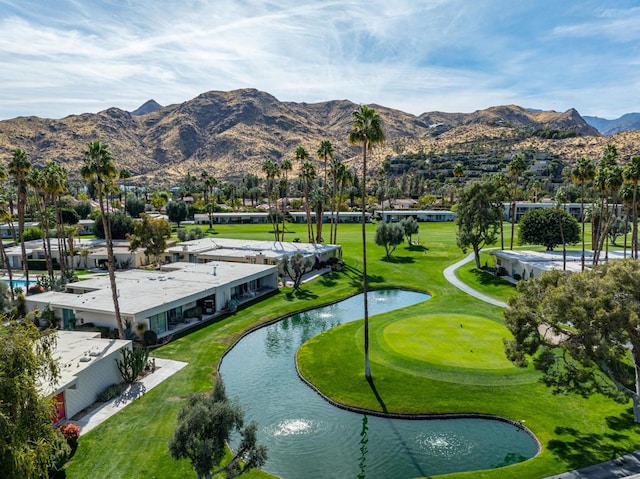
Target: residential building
x: 157, y: 300
x: 87, y: 366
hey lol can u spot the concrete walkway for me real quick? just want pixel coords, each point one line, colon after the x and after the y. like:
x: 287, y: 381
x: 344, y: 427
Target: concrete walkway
x: 450, y: 275
x: 625, y: 467
x: 165, y: 368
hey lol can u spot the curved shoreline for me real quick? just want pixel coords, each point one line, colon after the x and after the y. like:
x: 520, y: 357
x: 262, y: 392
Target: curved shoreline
x: 365, y: 411
x: 419, y: 416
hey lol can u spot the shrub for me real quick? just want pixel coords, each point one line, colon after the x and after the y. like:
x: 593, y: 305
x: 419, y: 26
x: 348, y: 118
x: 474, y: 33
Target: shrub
x: 60, y: 455
x: 71, y: 433
x: 110, y: 392
x: 150, y: 337
x: 33, y: 233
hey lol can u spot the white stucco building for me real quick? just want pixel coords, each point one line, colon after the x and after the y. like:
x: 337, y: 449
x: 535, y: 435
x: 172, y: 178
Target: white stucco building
x: 521, y: 264
x: 246, y: 251
x: 157, y: 299
x: 87, y: 367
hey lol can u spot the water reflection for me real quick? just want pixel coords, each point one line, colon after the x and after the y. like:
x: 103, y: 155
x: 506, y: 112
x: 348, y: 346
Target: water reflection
x: 364, y: 439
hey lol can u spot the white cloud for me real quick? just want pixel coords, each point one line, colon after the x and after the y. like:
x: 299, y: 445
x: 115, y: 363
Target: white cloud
x: 63, y: 57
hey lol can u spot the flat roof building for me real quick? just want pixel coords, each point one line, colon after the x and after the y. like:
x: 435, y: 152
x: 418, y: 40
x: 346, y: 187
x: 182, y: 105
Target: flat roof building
x: 87, y: 367
x: 158, y: 300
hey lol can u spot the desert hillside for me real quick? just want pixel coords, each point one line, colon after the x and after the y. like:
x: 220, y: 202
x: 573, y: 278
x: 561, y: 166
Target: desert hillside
x: 230, y: 133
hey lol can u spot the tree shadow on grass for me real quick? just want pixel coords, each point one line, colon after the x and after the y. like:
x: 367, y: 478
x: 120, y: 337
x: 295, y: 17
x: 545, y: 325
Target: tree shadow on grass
x: 579, y: 449
x: 329, y: 279
x: 399, y: 259
x: 356, y: 276
x: 487, y: 279
x: 416, y: 247
x: 299, y: 294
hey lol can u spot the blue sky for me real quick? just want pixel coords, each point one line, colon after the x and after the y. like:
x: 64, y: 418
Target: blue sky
x: 67, y: 57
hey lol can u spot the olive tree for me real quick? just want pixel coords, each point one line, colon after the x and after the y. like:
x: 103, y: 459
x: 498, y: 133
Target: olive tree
x: 203, y: 429
x: 389, y: 235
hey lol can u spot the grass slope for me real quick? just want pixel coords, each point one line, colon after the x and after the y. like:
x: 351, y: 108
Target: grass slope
x: 574, y: 431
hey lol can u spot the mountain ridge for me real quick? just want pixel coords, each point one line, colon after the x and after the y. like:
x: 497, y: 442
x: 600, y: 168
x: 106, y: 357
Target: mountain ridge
x: 627, y: 122
x: 231, y: 133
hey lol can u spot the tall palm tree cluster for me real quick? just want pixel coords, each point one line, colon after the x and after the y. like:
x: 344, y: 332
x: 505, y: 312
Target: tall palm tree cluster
x: 38, y: 195
x: 613, y: 188
x: 320, y: 193
x: 608, y: 195
x: 42, y: 194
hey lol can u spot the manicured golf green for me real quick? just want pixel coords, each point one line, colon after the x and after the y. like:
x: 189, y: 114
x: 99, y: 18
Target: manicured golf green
x: 451, y: 340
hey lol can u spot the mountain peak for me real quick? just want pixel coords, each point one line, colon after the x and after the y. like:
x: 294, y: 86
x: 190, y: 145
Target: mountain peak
x: 148, y: 107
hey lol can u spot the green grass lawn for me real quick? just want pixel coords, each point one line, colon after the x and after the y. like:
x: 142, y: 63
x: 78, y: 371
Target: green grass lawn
x: 422, y: 361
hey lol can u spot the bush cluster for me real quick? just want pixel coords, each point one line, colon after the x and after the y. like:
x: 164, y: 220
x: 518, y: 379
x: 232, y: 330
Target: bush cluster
x: 110, y: 392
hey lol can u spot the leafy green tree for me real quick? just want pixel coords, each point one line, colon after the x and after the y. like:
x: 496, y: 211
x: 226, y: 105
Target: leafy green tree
x: 366, y: 130
x: 203, y: 429
x: 547, y: 226
x: 101, y: 171
x: 295, y: 267
x: 478, y: 216
x: 27, y: 364
x: 121, y: 225
x: 150, y: 234
x: 410, y: 227
x: 83, y: 209
x: 389, y: 235
x: 134, y: 206
x: 177, y: 211
x: 618, y: 227
x: 581, y: 330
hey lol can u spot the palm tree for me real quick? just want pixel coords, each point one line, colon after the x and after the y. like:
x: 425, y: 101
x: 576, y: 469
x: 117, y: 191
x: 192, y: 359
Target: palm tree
x: 54, y: 185
x: 334, y: 168
x: 271, y: 170
x: 458, y: 171
x: 516, y: 167
x: 19, y: 170
x: 37, y: 182
x: 5, y: 216
x: 345, y: 177
x: 325, y: 152
x: 99, y: 167
x: 302, y: 156
x: 582, y: 174
x: 307, y: 175
x: 285, y: 167
x: 124, y: 175
x: 366, y: 130
x: 631, y: 174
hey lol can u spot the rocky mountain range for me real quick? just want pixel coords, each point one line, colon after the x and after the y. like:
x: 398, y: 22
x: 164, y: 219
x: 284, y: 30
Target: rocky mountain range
x: 231, y: 133
x: 627, y: 122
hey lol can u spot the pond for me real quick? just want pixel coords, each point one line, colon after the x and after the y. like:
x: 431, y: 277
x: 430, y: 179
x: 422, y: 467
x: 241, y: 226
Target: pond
x: 308, y: 437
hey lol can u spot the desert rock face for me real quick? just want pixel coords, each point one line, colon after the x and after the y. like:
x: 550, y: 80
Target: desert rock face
x: 231, y: 133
